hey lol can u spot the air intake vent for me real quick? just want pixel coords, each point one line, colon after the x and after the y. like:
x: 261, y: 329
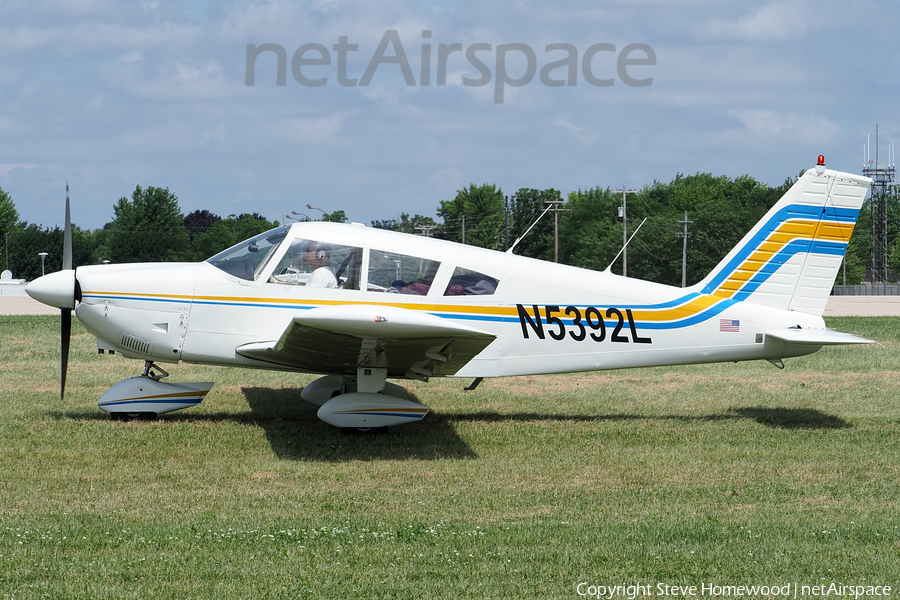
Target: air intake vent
x: 134, y: 344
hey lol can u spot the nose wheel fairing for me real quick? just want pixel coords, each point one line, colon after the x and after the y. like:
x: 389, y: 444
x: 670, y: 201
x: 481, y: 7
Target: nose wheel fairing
x: 145, y: 394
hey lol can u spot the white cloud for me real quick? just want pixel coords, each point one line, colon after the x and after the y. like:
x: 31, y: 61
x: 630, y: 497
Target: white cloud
x: 186, y: 80
x: 130, y: 57
x: 382, y: 93
x: 85, y: 38
x: 5, y: 168
x: 776, y: 21
x: 310, y: 131
x: 784, y: 21
x: 809, y: 129
x: 581, y: 133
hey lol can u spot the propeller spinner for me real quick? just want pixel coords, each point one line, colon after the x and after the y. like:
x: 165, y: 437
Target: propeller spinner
x: 60, y: 289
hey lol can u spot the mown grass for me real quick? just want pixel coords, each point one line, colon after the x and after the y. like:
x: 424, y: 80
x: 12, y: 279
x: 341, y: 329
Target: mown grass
x: 730, y: 474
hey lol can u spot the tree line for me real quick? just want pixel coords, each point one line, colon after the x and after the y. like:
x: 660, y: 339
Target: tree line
x: 584, y: 229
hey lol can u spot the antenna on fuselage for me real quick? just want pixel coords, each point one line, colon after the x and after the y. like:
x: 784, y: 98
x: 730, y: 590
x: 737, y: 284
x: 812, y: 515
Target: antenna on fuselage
x: 625, y: 245
x: 546, y: 210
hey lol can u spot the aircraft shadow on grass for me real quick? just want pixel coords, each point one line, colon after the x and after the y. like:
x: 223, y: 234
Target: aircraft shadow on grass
x: 779, y: 418
x: 295, y: 434
x: 792, y: 418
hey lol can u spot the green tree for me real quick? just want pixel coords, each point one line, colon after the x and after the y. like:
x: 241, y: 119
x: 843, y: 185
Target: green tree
x: 200, y: 221
x: 406, y: 224
x: 9, y: 216
x: 477, y: 213
x: 26, y: 242
x: 337, y: 216
x: 723, y: 210
x: 854, y: 268
x: 525, y: 206
x: 591, y: 233
x: 149, y: 227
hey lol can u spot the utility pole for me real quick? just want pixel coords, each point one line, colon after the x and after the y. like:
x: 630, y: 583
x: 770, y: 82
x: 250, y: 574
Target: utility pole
x: 426, y: 229
x: 684, y: 251
x: 555, y: 204
x: 624, y: 214
x: 464, y: 229
x: 506, y: 224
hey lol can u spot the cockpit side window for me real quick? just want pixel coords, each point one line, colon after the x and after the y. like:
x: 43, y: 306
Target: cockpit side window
x: 465, y: 282
x: 248, y: 259
x: 395, y: 273
x: 316, y: 263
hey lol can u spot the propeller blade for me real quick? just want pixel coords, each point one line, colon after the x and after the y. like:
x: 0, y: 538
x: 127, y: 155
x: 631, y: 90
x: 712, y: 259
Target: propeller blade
x: 66, y: 313
x: 66, y: 333
x: 67, y: 236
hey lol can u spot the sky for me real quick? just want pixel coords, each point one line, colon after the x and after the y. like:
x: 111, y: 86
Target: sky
x: 391, y: 107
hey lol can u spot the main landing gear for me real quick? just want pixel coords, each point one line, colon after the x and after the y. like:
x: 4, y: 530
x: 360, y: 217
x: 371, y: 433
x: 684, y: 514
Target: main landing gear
x: 363, y: 403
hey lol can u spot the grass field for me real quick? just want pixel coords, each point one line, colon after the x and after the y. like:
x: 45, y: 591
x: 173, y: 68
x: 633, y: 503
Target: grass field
x: 725, y: 474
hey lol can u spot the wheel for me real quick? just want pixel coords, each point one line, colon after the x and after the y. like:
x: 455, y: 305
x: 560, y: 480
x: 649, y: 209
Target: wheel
x: 133, y: 416
x: 363, y: 430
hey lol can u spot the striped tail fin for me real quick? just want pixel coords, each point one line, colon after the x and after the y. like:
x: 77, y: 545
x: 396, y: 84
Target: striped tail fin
x: 790, y: 259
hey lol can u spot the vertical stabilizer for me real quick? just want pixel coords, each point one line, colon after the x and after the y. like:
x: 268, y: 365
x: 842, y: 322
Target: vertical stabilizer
x: 790, y: 259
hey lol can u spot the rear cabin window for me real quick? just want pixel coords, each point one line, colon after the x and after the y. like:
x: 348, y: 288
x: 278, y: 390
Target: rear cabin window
x: 466, y: 282
x: 394, y: 273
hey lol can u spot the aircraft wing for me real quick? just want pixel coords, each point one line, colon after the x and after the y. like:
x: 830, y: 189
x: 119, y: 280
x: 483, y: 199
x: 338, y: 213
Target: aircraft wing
x: 816, y: 337
x: 340, y: 339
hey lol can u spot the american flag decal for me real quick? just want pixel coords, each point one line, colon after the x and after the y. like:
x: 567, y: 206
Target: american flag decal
x: 733, y: 325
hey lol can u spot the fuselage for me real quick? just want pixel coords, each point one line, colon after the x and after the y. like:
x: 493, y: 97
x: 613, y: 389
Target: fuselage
x: 546, y: 317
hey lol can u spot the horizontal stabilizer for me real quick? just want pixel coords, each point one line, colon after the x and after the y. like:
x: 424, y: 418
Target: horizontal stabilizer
x: 816, y: 337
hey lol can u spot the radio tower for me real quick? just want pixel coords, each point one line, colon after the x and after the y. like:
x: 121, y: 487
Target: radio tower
x: 882, y: 177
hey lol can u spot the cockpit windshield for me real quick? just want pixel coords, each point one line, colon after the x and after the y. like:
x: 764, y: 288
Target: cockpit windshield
x: 247, y: 259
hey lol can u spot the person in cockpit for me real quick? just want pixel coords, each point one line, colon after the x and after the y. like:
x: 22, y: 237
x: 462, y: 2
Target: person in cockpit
x: 317, y: 256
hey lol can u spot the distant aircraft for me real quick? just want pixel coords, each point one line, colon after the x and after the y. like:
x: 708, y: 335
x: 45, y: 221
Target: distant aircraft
x: 409, y: 307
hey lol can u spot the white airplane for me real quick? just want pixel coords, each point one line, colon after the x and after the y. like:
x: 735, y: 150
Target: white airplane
x: 409, y: 307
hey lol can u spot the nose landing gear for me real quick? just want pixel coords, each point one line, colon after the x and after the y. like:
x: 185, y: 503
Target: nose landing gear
x: 145, y: 396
